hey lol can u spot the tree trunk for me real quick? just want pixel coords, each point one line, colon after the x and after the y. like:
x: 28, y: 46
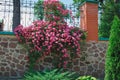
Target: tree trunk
x: 16, y: 13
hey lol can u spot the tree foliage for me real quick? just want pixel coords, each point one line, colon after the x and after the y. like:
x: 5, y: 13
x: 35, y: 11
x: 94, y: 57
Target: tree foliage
x: 110, y: 9
x: 39, y: 10
x: 112, y: 67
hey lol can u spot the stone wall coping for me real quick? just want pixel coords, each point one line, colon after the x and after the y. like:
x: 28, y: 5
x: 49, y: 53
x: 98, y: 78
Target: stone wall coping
x: 103, y: 39
x: 97, y: 42
x: 6, y: 33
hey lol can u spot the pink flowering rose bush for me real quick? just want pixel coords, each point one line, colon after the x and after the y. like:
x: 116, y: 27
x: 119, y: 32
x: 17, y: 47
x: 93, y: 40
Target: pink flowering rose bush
x: 51, y: 36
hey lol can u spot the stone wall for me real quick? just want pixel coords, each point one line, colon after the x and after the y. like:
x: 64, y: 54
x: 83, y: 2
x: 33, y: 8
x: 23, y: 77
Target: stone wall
x: 12, y: 57
x: 13, y: 60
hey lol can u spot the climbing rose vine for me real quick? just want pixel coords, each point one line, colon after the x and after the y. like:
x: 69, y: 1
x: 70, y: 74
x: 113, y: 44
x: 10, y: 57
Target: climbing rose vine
x: 51, y: 36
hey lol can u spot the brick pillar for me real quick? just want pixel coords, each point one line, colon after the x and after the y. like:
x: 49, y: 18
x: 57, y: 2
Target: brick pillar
x: 89, y: 19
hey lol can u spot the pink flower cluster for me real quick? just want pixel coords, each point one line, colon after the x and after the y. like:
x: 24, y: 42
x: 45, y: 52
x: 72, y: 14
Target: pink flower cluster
x: 49, y: 37
x: 54, y: 10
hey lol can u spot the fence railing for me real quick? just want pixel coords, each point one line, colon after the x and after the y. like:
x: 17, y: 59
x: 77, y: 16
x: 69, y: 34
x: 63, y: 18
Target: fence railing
x: 27, y: 13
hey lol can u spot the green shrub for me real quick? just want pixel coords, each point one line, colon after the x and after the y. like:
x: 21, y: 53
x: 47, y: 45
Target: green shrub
x: 112, y: 66
x: 50, y: 75
x: 86, y: 78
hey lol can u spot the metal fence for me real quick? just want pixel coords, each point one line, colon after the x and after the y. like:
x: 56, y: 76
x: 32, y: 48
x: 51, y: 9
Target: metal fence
x: 27, y: 13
